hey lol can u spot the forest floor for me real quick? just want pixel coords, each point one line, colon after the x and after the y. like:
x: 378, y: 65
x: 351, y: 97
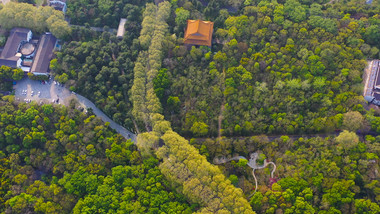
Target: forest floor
x: 27, y: 90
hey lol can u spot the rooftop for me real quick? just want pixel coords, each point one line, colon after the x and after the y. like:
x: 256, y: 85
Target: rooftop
x: 9, y: 62
x: 27, y: 49
x: 199, y: 32
x: 15, y: 37
x: 44, y: 54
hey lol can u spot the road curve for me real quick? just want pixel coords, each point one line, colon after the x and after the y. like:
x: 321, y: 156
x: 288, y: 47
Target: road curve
x: 118, y: 128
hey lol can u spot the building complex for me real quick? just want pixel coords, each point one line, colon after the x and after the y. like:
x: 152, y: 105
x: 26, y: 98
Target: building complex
x: 21, y: 51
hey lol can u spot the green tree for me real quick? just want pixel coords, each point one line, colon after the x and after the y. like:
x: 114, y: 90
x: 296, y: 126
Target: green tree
x: 174, y: 103
x: 80, y: 183
x: 372, y: 35
x: 353, y: 121
x: 182, y: 15
x: 199, y: 129
x: 22, y: 203
x: 105, y: 5
x: 18, y: 74
x: 295, y: 10
x: 242, y: 162
x: 347, y: 140
x: 63, y: 78
x: 366, y: 206
x: 256, y: 201
x: 339, y: 194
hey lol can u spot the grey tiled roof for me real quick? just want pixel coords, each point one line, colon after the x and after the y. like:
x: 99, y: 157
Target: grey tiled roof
x: 44, y: 53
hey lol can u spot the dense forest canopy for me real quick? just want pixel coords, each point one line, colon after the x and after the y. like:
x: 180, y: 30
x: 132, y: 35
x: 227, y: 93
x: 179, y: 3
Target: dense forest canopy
x: 285, y: 67
x: 55, y: 159
x: 102, y: 13
x: 273, y: 69
x: 303, y: 68
x: 317, y: 175
x: 276, y: 68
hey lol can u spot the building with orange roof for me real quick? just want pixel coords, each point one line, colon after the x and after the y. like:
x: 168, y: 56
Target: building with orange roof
x: 199, y: 32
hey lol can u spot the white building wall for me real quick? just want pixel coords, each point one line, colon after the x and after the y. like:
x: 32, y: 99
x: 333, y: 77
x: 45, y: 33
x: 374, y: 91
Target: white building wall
x: 30, y: 35
x: 25, y: 69
x: 37, y: 73
x: 19, y: 63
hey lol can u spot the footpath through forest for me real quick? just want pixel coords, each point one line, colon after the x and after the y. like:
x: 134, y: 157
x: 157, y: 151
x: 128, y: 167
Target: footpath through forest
x: 97, y: 29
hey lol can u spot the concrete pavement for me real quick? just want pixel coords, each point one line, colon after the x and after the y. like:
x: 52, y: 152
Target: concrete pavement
x: 27, y: 89
x: 121, y: 130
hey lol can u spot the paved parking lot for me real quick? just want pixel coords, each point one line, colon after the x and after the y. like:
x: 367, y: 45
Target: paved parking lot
x: 33, y: 90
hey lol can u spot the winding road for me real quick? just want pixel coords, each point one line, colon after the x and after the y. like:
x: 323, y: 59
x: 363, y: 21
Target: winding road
x: 31, y: 90
x: 119, y: 129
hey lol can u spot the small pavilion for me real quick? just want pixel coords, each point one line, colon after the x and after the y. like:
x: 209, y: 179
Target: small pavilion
x: 199, y: 32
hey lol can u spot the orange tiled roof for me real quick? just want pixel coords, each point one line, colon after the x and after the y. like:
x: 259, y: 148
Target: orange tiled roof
x: 199, y: 32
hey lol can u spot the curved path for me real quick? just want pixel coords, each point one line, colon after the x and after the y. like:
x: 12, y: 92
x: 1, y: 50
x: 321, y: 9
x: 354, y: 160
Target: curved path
x: 118, y: 128
x: 254, y: 176
x: 222, y: 160
x: 30, y: 90
x: 251, y: 163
